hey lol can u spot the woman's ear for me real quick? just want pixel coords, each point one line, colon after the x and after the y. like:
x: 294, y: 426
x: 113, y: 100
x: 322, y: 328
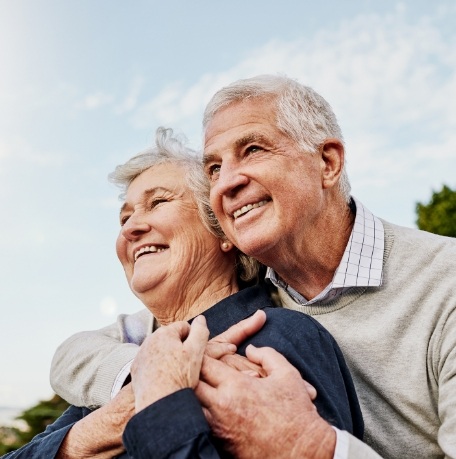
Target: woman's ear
x: 226, y: 246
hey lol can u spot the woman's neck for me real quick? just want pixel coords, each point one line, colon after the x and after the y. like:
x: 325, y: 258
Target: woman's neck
x: 193, y: 300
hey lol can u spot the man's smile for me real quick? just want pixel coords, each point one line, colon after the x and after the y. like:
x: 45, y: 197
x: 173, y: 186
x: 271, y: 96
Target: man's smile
x: 248, y: 207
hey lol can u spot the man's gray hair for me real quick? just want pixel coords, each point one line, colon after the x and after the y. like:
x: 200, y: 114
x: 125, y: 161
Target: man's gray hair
x: 170, y: 149
x: 301, y: 113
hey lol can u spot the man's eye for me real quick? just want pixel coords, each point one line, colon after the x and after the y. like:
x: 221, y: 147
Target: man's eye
x: 124, y: 219
x: 213, y: 170
x: 252, y: 149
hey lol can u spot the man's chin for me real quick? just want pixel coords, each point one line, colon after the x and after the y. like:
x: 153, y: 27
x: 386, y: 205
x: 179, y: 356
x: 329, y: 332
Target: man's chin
x: 254, y: 246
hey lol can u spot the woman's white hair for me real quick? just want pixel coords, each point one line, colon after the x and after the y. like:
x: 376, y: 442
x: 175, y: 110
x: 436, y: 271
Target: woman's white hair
x: 301, y: 113
x: 170, y: 149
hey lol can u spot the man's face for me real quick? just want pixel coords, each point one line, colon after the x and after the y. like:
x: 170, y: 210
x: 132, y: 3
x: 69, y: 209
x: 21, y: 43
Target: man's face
x: 266, y: 193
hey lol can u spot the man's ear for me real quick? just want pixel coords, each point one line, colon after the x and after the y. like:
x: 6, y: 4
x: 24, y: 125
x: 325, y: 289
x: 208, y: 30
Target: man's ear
x: 333, y: 156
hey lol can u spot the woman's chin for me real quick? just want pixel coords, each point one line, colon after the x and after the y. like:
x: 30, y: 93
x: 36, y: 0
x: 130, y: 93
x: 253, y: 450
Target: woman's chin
x: 144, y: 288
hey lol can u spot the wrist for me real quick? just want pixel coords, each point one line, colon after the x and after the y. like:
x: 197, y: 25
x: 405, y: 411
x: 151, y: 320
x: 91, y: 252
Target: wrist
x: 318, y: 442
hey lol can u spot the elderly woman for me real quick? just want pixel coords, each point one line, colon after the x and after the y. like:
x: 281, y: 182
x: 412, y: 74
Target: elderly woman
x: 179, y: 264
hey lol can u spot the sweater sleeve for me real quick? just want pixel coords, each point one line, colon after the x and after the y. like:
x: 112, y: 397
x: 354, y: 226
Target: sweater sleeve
x: 444, y: 366
x: 87, y: 365
x: 359, y: 450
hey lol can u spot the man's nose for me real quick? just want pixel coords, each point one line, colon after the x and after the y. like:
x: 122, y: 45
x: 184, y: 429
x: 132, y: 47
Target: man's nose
x: 231, y: 179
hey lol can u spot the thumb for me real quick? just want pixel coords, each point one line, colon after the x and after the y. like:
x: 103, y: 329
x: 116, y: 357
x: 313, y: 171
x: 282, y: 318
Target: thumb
x: 197, y: 338
x: 269, y: 359
x: 273, y: 362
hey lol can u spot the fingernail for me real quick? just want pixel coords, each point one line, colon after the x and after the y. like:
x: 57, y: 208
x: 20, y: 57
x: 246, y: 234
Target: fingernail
x: 200, y: 319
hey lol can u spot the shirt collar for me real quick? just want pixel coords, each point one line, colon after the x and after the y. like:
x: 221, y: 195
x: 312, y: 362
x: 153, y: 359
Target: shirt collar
x: 361, y: 264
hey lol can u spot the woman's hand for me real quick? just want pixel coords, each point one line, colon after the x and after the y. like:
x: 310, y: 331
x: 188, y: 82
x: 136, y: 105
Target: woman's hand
x: 99, y: 435
x: 169, y: 360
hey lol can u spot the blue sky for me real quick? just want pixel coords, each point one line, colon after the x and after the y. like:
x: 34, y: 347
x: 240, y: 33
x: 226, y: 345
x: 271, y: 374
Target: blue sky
x: 84, y: 84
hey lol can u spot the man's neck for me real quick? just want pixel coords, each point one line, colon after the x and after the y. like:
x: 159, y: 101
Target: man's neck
x: 311, y: 269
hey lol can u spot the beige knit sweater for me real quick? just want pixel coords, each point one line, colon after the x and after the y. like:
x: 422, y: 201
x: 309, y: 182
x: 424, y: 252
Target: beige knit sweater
x: 399, y: 341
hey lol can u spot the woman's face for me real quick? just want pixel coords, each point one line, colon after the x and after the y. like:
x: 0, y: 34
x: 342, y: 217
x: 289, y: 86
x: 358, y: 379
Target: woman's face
x: 163, y: 246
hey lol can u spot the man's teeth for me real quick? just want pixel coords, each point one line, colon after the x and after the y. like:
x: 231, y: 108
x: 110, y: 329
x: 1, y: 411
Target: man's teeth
x: 243, y: 210
x: 149, y: 249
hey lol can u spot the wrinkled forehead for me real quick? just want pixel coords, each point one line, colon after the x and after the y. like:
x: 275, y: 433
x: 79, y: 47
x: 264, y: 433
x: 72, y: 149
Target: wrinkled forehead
x: 239, y: 121
x: 244, y: 112
x: 166, y: 176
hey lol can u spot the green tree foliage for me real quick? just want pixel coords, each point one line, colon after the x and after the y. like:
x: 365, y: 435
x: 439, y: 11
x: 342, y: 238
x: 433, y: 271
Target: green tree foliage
x: 36, y: 418
x: 439, y: 215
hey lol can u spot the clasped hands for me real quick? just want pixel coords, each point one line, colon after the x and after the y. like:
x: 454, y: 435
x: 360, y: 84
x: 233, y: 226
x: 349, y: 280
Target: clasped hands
x: 245, y: 400
x: 259, y: 406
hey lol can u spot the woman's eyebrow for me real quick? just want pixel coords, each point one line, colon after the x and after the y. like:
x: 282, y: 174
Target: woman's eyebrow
x: 145, y: 196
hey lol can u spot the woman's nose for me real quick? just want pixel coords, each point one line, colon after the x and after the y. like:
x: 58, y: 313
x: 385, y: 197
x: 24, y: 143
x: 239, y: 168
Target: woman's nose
x: 135, y: 226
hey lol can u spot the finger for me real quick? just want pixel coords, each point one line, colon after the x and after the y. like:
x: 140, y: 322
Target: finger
x: 272, y: 361
x: 214, y: 372
x: 218, y: 350
x: 208, y: 416
x: 206, y: 394
x: 179, y: 329
x: 243, y: 364
x: 310, y: 390
x: 197, y: 338
x: 269, y: 359
x: 239, y: 332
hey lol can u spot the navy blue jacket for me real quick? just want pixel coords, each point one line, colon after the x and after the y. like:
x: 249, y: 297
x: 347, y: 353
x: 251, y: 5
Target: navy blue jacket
x: 175, y: 426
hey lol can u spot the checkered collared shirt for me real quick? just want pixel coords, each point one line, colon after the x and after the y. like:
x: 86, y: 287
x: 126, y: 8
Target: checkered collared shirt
x: 361, y: 264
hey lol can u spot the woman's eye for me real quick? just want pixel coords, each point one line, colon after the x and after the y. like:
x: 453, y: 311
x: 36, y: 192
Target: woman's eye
x: 155, y: 202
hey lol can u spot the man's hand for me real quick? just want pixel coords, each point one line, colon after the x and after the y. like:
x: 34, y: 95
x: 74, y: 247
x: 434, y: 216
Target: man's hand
x: 271, y: 417
x: 169, y: 360
x: 227, y: 342
x: 99, y: 435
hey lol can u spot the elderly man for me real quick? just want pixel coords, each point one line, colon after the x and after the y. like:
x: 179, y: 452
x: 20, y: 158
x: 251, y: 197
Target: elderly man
x: 275, y: 157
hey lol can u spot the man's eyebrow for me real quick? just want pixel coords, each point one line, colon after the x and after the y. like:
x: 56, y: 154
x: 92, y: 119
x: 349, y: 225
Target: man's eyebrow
x: 238, y: 144
x: 124, y: 207
x: 209, y: 158
x: 250, y: 138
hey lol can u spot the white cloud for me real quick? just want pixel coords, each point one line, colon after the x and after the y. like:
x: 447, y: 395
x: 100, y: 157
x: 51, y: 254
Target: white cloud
x: 95, y: 100
x: 372, y: 64
x: 131, y: 99
x: 164, y: 106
